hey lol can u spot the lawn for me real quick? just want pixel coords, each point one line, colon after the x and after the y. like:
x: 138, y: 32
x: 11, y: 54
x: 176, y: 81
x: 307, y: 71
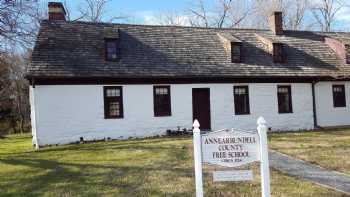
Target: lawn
x: 329, y: 149
x: 149, y: 167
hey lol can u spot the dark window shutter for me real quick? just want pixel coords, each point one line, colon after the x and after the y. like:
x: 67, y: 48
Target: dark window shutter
x: 278, y: 53
x: 241, y: 100
x: 162, y: 101
x: 284, y: 96
x: 339, y: 98
x: 236, y: 52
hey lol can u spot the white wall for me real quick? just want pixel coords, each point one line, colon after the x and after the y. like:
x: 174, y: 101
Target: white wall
x: 32, y: 112
x: 64, y: 113
x: 327, y: 115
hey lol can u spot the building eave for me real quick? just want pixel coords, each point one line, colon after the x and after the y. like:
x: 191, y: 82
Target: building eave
x: 176, y: 80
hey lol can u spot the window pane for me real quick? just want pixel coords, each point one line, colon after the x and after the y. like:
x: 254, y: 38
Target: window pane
x: 283, y: 90
x: 111, y: 49
x: 162, y: 103
x: 284, y: 99
x: 113, y: 92
x: 161, y: 91
x: 114, y: 109
x: 241, y: 100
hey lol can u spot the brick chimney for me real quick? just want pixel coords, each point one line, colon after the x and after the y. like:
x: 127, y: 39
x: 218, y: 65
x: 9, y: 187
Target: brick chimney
x: 57, y: 11
x: 276, y: 23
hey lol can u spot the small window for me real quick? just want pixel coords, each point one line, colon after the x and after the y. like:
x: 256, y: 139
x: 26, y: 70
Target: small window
x: 339, y: 96
x: 241, y: 99
x: 113, y: 102
x: 162, y: 103
x: 236, y: 52
x: 284, y: 95
x: 111, y: 49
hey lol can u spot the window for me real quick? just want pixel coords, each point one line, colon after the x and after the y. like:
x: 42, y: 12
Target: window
x: 347, y: 51
x: 113, y: 102
x: 339, y: 96
x: 241, y: 99
x: 236, y: 52
x: 278, y: 53
x: 162, y: 105
x: 284, y: 95
x: 111, y: 49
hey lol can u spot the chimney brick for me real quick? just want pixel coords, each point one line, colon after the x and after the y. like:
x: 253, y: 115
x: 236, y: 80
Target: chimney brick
x: 276, y: 23
x: 57, y: 11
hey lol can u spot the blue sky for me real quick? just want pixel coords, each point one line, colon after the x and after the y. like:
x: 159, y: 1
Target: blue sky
x: 137, y: 10
x: 144, y: 11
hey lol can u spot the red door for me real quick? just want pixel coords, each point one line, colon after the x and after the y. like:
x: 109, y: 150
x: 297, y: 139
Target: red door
x: 201, y: 107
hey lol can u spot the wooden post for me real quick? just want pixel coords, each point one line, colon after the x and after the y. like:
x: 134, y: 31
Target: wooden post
x: 198, y: 158
x: 264, y: 158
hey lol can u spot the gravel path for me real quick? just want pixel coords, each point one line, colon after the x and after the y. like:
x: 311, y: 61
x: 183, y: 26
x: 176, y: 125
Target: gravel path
x: 310, y: 172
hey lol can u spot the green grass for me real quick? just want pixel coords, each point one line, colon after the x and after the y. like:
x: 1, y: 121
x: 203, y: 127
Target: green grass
x: 148, y: 167
x: 329, y: 149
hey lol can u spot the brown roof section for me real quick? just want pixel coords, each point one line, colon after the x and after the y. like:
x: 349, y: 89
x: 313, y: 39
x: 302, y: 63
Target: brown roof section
x: 76, y: 49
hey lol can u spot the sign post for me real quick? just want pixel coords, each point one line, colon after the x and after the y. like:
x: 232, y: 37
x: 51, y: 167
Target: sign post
x: 197, y: 145
x: 232, y: 148
x: 264, y: 158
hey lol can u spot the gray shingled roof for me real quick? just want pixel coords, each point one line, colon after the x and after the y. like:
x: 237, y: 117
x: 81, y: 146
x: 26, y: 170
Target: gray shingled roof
x: 76, y: 49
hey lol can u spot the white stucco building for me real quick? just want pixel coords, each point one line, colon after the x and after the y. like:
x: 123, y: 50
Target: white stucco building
x: 97, y: 81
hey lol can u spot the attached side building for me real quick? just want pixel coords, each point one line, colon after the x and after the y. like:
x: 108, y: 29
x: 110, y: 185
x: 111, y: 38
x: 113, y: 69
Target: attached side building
x: 101, y: 80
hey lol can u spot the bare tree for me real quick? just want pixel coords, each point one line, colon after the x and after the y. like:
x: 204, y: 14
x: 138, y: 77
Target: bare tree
x: 226, y: 13
x: 19, y: 25
x: 19, y: 22
x: 169, y: 18
x: 199, y: 14
x: 95, y: 11
x: 20, y: 91
x: 5, y: 102
x: 325, y: 12
x: 295, y: 12
x: 240, y: 12
x: 262, y: 10
x: 14, y: 103
x: 222, y: 12
x: 4, y: 83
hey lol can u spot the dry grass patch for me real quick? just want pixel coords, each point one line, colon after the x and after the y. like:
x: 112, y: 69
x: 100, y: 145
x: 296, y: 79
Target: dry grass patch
x: 329, y: 148
x: 148, y: 167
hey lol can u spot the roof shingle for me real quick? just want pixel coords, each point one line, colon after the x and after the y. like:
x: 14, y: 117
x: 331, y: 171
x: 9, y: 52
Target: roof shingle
x: 76, y: 49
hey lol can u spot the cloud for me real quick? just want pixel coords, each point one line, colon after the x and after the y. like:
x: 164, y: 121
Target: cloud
x: 343, y: 19
x: 162, y: 18
x: 344, y: 14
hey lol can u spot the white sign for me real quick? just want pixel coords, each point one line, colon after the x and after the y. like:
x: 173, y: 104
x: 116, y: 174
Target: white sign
x: 230, y: 148
x: 237, y: 175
